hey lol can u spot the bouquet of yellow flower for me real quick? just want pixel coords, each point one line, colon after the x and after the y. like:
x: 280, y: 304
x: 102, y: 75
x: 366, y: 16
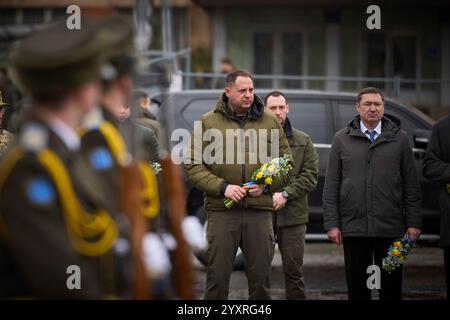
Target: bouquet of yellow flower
x: 265, y: 174
x: 397, y: 254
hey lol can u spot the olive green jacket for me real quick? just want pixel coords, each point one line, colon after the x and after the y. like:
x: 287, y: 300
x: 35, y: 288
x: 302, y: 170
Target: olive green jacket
x: 303, y: 178
x: 212, y: 177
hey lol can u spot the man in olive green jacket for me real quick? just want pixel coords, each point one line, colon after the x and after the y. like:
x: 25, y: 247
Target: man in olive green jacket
x: 291, y: 205
x: 238, y: 114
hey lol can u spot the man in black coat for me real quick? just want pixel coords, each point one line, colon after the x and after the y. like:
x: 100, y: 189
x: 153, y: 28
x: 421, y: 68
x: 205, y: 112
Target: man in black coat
x: 371, y: 195
x: 436, y: 167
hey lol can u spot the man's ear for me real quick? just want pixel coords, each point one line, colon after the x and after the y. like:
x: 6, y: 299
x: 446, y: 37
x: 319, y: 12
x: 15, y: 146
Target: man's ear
x: 357, y: 106
x: 227, y: 91
x: 287, y: 108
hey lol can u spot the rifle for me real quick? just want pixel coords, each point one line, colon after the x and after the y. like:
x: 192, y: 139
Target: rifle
x: 175, y: 196
x: 130, y: 203
x: 130, y: 180
x: 172, y: 181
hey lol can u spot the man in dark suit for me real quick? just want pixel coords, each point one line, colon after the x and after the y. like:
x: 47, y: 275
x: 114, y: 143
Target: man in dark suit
x: 371, y: 195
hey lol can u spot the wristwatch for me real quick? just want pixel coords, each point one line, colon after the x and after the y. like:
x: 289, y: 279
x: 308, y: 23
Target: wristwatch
x: 285, y: 194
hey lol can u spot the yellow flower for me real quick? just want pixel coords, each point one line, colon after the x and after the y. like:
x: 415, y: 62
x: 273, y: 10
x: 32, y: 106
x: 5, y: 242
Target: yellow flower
x: 268, y: 180
x: 395, y: 252
x: 264, y: 166
x: 398, y: 244
x: 271, y: 168
x: 259, y: 175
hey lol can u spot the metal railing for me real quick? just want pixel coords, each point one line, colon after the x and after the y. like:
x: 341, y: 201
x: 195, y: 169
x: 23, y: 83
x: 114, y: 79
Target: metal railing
x: 431, y: 92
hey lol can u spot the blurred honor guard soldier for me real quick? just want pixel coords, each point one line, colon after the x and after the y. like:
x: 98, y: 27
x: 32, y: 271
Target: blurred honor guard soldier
x: 436, y: 167
x: 109, y: 135
x: 102, y: 124
x: 5, y: 136
x: 100, y: 129
x: 249, y: 224
x: 291, y: 205
x: 52, y: 240
x: 371, y: 195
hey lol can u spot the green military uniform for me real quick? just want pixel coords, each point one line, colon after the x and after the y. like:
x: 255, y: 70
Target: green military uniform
x: 290, y: 221
x: 103, y: 133
x: 145, y: 119
x: 95, y: 141
x: 49, y: 221
x: 249, y: 224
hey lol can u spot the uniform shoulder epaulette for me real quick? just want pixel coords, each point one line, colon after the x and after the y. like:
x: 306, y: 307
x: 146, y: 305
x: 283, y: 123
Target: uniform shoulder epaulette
x: 34, y: 137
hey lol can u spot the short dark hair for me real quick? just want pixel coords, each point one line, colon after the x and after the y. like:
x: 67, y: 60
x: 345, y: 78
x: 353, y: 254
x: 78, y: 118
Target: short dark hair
x: 370, y: 90
x: 226, y: 61
x: 140, y: 94
x: 274, y: 93
x: 232, y: 76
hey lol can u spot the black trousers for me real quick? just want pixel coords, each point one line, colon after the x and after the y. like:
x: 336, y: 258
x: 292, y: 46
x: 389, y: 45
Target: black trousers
x: 447, y: 269
x: 361, y: 252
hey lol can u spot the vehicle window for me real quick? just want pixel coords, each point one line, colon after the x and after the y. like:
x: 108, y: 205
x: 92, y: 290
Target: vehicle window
x: 310, y: 117
x: 194, y: 110
x: 408, y: 123
x: 346, y: 112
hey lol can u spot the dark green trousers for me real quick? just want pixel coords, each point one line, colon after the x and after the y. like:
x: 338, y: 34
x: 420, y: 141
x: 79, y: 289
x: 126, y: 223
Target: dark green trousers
x: 252, y: 231
x: 291, y: 242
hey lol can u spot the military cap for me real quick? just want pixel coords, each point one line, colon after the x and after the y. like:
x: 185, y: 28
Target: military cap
x: 2, y: 104
x: 56, y: 59
x: 119, y: 30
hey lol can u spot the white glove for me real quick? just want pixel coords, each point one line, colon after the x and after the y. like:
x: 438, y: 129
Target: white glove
x: 194, y: 234
x: 156, y: 258
x: 169, y: 241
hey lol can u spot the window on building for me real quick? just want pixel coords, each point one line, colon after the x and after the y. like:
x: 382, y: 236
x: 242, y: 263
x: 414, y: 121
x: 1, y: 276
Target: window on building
x: 8, y: 16
x: 263, y: 57
x: 376, y: 58
x: 292, y: 58
x: 124, y: 11
x: 279, y: 53
x: 59, y: 14
x: 33, y: 16
x: 404, y: 59
x: 180, y: 36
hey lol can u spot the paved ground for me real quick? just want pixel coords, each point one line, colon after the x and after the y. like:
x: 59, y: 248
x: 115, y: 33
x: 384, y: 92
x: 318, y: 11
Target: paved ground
x: 325, y: 278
